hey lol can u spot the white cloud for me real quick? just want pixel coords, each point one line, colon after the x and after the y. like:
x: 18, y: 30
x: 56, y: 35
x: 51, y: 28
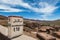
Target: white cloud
x: 9, y: 9
x: 16, y: 2
x: 47, y: 9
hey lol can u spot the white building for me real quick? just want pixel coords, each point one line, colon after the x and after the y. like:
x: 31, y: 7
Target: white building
x: 15, y: 26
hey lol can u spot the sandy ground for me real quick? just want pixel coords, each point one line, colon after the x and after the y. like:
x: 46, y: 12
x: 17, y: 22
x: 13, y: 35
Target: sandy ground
x: 24, y: 37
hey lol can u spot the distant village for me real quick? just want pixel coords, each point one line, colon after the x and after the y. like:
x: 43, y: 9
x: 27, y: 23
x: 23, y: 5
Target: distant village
x: 19, y: 28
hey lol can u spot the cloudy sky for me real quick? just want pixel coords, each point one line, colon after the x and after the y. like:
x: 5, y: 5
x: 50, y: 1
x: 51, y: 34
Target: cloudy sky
x: 31, y: 9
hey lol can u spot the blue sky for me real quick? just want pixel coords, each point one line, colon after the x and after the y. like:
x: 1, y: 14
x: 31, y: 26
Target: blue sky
x: 31, y: 9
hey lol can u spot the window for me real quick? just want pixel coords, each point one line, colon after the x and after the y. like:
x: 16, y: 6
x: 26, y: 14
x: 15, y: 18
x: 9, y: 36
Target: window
x: 16, y: 29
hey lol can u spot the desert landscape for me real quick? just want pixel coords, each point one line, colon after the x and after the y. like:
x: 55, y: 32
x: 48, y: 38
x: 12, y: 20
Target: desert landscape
x: 38, y: 29
x: 29, y: 19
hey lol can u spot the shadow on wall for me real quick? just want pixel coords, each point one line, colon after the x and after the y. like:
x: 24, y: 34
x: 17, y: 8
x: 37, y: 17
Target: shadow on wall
x: 2, y: 37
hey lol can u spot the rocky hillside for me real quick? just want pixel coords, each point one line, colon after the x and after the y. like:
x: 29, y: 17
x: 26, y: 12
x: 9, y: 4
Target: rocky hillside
x: 3, y: 21
x: 3, y: 17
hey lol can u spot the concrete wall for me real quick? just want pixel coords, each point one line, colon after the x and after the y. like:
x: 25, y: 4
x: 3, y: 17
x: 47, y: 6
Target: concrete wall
x: 12, y: 32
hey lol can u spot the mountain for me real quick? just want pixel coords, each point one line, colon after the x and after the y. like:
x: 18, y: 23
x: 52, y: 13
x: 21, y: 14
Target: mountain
x: 3, y: 17
x: 4, y: 22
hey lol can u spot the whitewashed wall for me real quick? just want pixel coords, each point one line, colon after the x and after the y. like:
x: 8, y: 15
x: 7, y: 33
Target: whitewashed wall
x: 11, y: 32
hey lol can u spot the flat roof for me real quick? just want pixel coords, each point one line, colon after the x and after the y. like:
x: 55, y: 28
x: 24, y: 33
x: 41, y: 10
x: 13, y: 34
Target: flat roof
x: 16, y: 16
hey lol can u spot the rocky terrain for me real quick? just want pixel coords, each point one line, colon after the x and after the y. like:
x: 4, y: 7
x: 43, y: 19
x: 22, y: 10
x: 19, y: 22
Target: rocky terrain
x: 35, y: 27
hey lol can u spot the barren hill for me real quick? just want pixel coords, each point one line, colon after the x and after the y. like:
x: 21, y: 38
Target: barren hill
x: 3, y: 21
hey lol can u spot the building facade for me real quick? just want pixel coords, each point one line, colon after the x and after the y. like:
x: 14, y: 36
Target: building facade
x: 15, y: 26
